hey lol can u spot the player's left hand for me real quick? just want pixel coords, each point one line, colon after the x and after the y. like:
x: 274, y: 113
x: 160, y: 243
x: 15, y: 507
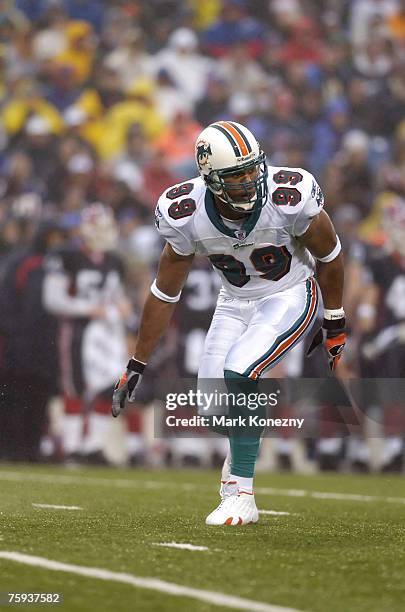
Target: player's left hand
x: 333, y: 336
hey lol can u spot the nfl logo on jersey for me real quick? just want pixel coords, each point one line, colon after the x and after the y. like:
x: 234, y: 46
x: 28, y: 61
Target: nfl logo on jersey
x: 240, y: 234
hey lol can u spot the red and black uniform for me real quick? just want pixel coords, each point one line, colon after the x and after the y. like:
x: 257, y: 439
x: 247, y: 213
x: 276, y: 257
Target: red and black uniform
x: 83, y: 349
x: 383, y: 353
x: 85, y: 291
x: 28, y: 353
x: 383, y: 350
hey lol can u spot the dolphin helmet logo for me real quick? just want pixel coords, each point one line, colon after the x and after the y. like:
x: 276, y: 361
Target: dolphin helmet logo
x: 203, y: 152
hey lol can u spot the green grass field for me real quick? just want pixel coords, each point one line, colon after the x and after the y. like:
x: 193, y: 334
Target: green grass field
x: 338, y: 552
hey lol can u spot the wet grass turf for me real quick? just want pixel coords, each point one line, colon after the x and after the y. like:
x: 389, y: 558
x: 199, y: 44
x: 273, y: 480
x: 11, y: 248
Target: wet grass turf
x: 326, y: 555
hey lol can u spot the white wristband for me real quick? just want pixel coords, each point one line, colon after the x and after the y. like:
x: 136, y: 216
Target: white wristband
x: 332, y: 315
x: 333, y: 254
x: 163, y: 296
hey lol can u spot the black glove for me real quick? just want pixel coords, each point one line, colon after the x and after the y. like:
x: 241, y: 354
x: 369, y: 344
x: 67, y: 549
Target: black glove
x: 125, y: 387
x: 333, y: 335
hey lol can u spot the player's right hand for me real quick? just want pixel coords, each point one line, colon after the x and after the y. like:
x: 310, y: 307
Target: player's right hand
x: 125, y: 388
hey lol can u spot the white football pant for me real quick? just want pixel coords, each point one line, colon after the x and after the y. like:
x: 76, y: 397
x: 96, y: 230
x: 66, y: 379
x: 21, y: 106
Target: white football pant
x: 251, y: 336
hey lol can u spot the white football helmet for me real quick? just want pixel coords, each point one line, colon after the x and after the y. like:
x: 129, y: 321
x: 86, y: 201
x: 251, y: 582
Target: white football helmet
x: 225, y: 149
x: 98, y: 228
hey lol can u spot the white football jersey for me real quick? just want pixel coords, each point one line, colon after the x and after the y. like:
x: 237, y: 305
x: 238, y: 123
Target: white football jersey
x: 258, y: 257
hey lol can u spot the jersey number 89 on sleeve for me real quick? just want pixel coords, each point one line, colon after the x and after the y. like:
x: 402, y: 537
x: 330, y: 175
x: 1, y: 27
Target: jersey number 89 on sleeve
x: 183, y: 208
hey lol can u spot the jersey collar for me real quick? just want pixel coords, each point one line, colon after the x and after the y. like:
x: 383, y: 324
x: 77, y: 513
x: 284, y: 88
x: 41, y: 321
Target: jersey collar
x: 215, y: 218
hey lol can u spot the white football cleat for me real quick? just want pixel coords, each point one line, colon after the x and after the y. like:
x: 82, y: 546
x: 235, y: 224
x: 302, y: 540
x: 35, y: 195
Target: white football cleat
x: 237, y: 507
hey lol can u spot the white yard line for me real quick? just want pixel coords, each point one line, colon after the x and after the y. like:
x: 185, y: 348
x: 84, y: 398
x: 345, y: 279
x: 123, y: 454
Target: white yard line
x: 286, y: 492
x: 62, y: 479
x: 56, y: 507
x: 154, y: 584
x: 274, y: 513
x: 180, y: 545
x: 327, y: 495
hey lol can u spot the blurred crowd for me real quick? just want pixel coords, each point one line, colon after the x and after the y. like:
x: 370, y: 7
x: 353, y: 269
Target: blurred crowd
x: 101, y: 102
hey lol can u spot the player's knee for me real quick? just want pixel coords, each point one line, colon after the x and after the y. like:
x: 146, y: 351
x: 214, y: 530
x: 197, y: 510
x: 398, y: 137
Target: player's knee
x: 234, y: 361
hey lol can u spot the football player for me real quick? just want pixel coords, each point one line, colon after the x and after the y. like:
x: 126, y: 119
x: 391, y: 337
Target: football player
x: 84, y: 289
x: 381, y: 317
x: 262, y: 229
